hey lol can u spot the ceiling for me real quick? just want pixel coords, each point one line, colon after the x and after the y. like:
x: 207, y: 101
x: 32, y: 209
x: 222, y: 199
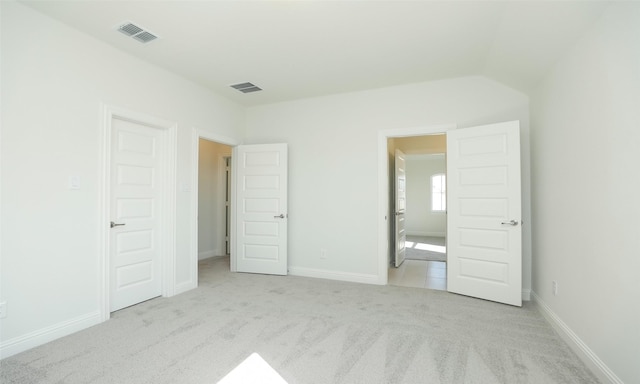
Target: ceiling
x: 299, y: 49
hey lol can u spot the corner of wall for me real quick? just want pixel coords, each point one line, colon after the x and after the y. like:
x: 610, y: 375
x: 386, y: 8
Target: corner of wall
x: 588, y: 356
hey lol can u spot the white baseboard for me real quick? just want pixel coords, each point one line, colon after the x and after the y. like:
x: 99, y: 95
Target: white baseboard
x: 48, y: 334
x: 526, y: 295
x: 334, y: 275
x: 597, y: 366
x: 208, y: 254
x: 430, y: 234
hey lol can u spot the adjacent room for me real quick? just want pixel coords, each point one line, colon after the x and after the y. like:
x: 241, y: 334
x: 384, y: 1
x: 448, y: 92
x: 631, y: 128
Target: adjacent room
x: 331, y: 191
x: 425, y: 255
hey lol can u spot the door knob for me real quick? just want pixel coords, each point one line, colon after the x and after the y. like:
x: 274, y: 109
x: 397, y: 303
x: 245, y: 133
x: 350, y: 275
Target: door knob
x: 280, y: 216
x: 116, y: 224
x: 512, y: 222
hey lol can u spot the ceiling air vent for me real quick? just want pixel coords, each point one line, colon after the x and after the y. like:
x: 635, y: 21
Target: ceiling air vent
x: 137, y: 32
x: 246, y: 87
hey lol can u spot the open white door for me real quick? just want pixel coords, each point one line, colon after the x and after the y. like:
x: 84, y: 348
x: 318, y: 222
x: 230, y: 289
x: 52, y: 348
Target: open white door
x: 261, y: 213
x: 484, y: 234
x: 400, y: 181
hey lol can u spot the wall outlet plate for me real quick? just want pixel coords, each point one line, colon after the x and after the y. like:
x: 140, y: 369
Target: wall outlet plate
x: 3, y: 310
x: 74, y: 182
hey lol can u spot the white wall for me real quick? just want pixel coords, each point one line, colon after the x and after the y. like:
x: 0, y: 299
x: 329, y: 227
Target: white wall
x: 585, y: 183
x: 420, y: 219
x: 211, y: 196
x: 333, y: 162
x: 54, y: 80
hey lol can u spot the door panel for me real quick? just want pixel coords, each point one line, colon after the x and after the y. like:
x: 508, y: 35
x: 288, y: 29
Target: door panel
x: 136, y: 193
x: 483, y: 228
x: 261, y: 225
x: 400, y: 180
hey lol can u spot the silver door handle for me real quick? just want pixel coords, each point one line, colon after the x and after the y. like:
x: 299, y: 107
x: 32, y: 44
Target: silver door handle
x: 280, y: 216
x: 116, y: 224
x: 512, y: 222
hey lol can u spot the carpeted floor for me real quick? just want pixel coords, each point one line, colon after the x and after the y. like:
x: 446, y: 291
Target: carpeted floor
x: 309, y: 331
x: 429, y: 248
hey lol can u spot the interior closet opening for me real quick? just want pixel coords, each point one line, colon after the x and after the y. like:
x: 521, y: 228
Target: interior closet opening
x: 214, y: 202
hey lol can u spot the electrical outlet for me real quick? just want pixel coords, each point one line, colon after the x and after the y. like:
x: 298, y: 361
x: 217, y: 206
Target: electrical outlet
x: 554, y: 288
x: 323, y: 254
x: 3, y: 310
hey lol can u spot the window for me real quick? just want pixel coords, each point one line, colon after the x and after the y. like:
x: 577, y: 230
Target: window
x: 439, y: 193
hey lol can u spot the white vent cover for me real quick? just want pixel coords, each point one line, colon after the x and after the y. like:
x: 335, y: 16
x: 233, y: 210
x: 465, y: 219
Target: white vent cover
x: 246, y: 87
x: 137, y: 32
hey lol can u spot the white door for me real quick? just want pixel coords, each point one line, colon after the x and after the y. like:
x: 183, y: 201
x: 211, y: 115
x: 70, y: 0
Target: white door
x: 484, y: 234
x: 400, y: 180
x: 136, y: 200
x: 261, y: 213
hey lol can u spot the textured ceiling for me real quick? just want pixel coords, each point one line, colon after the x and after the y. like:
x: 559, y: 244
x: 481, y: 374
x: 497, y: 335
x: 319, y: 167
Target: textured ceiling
x: 298, y: 49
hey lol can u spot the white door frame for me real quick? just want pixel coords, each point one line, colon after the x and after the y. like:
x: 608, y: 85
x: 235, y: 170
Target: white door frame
x: 383, y: 188
x: 167, y: 232
x: 196, y: 135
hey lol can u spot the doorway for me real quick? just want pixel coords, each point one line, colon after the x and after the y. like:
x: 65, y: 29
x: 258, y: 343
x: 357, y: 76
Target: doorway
x: 385, y: 214
x: 484, y: 234
x: 422, y: 262
x: 213, y: 199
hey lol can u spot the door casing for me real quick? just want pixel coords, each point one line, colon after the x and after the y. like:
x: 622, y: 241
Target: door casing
x: 168, y: 219
x: 384, y: 220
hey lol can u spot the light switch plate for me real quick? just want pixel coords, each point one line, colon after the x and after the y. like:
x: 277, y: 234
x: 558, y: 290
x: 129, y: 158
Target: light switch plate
x: 74, y: 182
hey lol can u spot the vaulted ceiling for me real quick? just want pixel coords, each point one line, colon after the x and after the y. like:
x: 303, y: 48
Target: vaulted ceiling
x: 299, y: 49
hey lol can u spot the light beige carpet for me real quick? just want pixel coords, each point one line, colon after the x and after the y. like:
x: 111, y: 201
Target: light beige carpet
x: 309, y: 331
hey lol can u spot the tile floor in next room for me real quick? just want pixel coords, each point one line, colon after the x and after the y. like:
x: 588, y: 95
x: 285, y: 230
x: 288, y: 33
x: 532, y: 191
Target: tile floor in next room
x: 420, y: 274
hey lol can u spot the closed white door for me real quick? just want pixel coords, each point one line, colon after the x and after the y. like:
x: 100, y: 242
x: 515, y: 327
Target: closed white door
x: 261, y: 212
x: 136, y: 200
x: 484, y: 235
x: 400, y: 181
